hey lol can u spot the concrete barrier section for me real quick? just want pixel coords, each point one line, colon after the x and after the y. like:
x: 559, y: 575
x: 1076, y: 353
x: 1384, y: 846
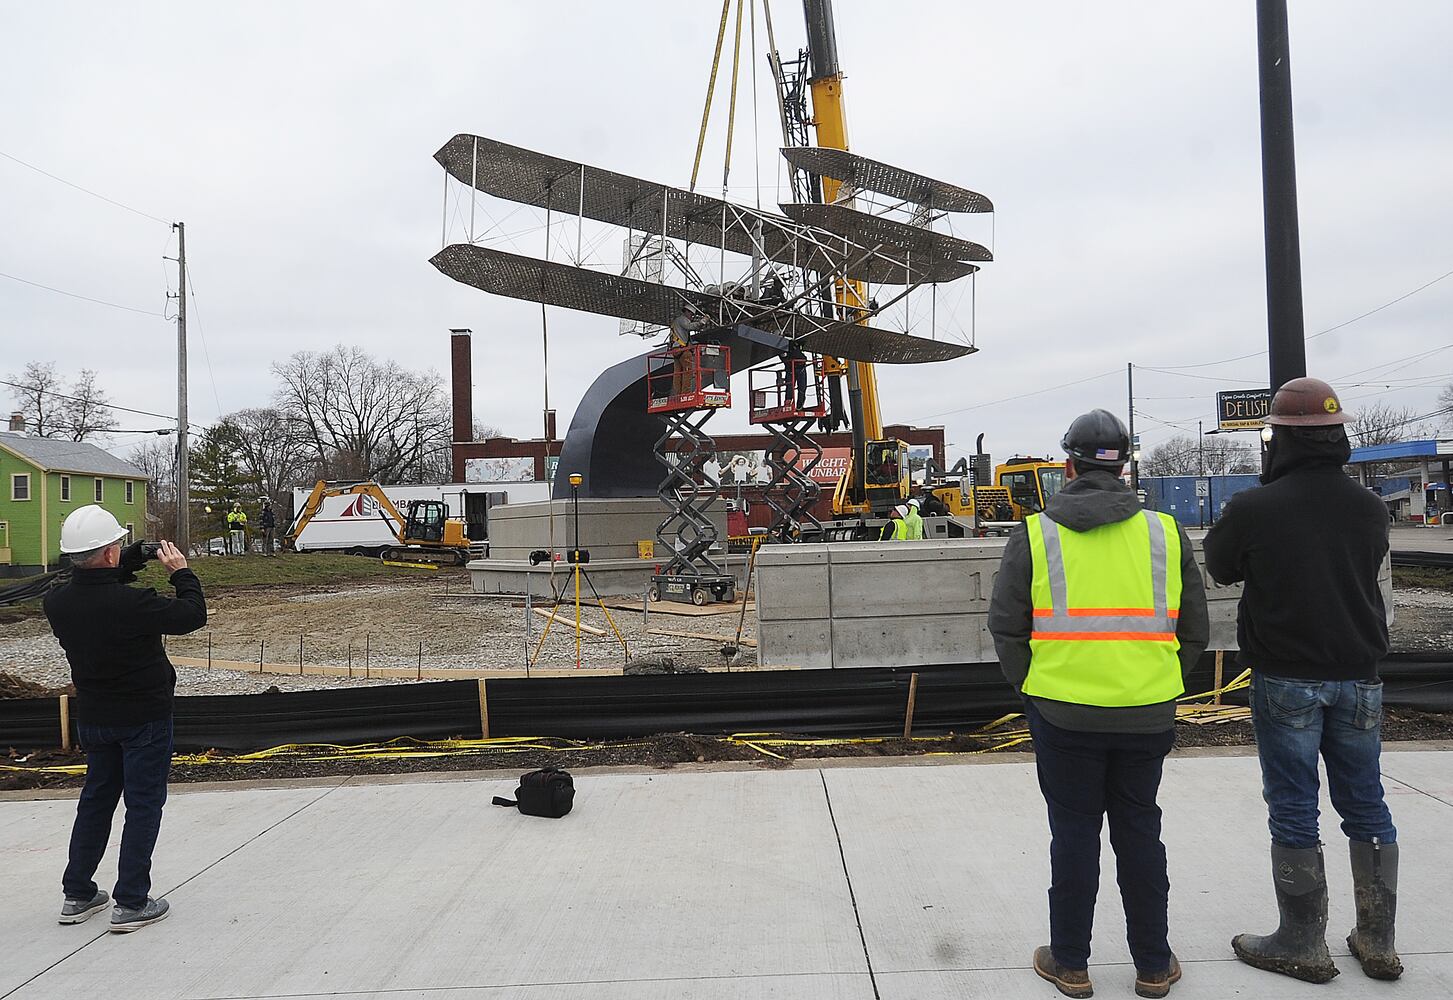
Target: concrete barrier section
x: 875, y: 604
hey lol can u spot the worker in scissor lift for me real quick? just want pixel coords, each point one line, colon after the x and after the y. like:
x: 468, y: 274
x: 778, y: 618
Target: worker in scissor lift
x: 799, y: 374
x: 685, y: 376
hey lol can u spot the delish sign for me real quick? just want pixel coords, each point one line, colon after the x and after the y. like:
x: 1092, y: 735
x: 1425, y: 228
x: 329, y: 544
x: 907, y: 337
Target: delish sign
x: 1242, y: 409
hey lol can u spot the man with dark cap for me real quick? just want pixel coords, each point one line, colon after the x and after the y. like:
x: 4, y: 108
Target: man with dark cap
x: 1098, y: 614
x: 1310, y: 545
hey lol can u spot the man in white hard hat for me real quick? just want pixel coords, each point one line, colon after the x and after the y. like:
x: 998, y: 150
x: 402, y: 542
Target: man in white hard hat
x: 913, y: 519
x: 112, y: 635
x: 896, y: 530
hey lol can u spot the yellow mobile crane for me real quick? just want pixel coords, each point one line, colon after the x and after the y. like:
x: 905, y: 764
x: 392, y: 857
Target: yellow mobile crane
x: 878, y: 475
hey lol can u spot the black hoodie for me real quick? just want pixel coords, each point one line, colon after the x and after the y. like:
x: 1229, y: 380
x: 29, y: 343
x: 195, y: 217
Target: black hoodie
x: 112, y: 637
x: 1088, y: 501
x: 1309, y: 546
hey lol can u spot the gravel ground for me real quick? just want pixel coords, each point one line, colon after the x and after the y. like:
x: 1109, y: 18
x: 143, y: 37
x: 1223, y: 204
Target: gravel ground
x: 1423, y: 619
x: 388, y: 625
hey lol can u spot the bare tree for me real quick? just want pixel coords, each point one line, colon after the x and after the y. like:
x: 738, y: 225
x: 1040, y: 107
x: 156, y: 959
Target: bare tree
x: 359, y: 418
x: 1445, y: 404
x: 1214, y: 455
x: 37, y: 395
x: 486, y: 432
x: 157, y: 458
x: 1380, y: 423
x: 272, y: 458
x: 84, y: 411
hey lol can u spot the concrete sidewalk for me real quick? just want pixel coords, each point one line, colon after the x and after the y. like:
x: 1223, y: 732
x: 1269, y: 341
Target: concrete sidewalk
x: 909, y: 882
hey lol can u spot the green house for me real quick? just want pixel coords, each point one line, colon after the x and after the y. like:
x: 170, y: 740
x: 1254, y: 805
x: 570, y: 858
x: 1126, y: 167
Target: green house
x: 42, y: 480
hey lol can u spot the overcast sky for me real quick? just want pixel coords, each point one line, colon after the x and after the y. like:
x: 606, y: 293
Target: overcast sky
x: 1118, y: 140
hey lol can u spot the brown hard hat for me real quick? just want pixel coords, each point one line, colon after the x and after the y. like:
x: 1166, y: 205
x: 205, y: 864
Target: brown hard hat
x: 1306, y: 402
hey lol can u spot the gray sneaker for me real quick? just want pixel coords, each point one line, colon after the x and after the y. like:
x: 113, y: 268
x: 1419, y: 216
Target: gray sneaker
x: 125, y: 920
x: 75, y: 911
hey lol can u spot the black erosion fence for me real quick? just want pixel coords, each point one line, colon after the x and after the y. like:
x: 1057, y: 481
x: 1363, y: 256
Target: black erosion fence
x: 867, y: 701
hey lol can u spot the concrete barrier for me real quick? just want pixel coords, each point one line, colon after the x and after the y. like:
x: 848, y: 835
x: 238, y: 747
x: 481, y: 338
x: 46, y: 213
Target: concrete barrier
x: 875, y: 604
x: 610, y: 529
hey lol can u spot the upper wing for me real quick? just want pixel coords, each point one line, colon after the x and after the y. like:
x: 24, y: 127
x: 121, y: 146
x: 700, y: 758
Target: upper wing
x: 922, y: 249
x: 570, y: 188
x: 884, y: 178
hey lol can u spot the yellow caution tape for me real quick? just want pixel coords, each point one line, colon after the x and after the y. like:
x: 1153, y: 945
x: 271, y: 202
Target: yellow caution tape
x: 409, y: 748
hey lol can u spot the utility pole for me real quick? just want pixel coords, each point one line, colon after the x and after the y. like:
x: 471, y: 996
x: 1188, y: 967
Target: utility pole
x: 183, y: 539
x: 1285, y: 335
x: 1134, y: 451
x: 1201, y: 446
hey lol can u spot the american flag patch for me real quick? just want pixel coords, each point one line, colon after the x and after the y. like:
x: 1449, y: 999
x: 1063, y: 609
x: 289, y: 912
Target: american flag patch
x: 1107, y: 454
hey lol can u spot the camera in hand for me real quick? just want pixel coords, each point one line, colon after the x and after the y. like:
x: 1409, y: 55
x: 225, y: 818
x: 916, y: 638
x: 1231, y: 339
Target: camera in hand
x: 136, y: 555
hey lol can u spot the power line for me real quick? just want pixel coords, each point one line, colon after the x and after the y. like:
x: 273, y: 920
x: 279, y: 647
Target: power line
x: 93, y: 194
x: 76, y: 295
x: 93, y: 402
x: 206, y: 353
x: 1022, y: 395
x: 1330, y: 329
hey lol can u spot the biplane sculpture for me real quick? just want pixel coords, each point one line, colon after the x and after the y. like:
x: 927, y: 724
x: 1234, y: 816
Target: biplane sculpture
x: 805, y: 281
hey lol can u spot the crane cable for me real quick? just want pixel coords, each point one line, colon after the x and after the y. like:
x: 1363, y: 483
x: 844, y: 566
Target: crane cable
x: 710, y: 89
x: 726, y: 168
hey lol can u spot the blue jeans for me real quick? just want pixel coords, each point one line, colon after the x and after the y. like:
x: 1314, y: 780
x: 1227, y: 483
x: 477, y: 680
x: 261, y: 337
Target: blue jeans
x: 1297, y: 719
x: 1086, y: 777
x: 129, y: 761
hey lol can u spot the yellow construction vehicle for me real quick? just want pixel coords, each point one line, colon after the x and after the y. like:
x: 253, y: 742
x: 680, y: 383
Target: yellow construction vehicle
x: 424, y: 531
x: 1022, y: 486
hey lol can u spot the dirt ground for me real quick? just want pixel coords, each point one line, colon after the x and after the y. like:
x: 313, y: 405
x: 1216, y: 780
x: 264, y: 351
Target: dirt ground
x: 661, y: 751
x: 429, y: 620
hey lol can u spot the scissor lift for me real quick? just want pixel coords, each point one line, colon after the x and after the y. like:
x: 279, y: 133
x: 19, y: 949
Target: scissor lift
x: 786, y: 398
x: 686, y: 385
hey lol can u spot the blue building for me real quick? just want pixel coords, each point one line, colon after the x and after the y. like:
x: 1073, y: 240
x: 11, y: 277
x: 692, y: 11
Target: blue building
x: 1177, y: 496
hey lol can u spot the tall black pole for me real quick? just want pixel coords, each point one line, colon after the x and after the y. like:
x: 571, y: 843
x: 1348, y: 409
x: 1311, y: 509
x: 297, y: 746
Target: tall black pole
x: 1286, y: 344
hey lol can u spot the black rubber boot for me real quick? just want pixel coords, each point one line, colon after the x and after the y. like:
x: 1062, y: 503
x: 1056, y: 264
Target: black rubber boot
x: 1298, y: 948
x: 1375, y: 883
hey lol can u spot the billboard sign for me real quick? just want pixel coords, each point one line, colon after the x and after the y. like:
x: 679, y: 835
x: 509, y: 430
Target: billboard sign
x: 1242, y: 409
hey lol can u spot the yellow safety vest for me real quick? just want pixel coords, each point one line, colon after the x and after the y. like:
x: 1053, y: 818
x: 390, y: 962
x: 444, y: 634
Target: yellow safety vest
x: 1106, y: 605
x: 915, y: 525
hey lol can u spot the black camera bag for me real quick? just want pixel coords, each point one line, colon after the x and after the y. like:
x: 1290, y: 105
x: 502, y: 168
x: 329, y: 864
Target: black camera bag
x: 546, y: 792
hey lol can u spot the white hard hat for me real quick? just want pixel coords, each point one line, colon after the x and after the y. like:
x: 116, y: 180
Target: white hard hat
x: 913, y: 502
x: 901, y: 510
x: 89, y: 528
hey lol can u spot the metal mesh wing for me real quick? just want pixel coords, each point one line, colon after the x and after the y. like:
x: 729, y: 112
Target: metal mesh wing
x: 534, y: 280
x: 884, y: 178
x: 881, y: 347
x: 927, y: 256
x: 570, y: 188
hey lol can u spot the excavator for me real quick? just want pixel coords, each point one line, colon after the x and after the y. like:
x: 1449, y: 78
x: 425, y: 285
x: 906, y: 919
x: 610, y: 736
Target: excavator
x: 878, y: 477
x: 423, y: 531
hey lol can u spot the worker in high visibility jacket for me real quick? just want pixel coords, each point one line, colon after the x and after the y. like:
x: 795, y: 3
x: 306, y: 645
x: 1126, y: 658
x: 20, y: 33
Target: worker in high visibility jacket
x: 913, y: 520
x: 1098, y: 613
x: 895, y: 529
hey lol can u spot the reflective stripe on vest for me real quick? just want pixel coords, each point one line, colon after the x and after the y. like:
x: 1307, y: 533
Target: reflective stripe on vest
x: 1105, y: 611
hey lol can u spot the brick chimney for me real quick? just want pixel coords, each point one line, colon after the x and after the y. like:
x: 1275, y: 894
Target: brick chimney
x: 462, y: 384
x: 17, y: 423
